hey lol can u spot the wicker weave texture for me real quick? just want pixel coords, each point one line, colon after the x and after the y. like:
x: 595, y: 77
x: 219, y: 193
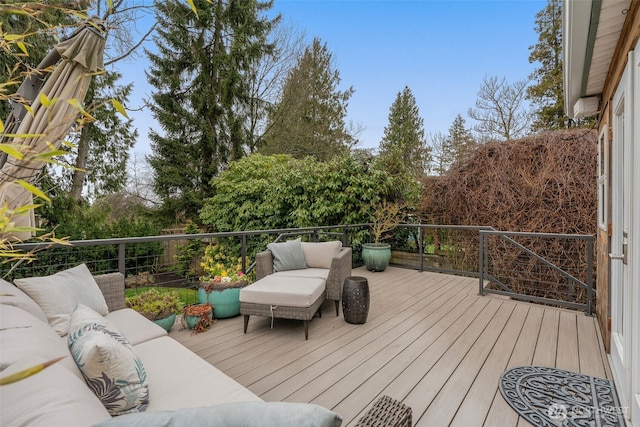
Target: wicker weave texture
x: 112, y: 287
x: 340, y: 270
x: 386, y: 412
x: 282, y: 311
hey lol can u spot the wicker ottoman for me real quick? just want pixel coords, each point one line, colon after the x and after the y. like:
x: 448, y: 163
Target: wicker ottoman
x: 283, y: 297
x: 355, y: 299
x: 386, y: 412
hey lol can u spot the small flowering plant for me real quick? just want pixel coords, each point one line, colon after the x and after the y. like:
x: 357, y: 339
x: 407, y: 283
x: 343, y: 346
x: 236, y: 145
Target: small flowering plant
x: 221, y: 268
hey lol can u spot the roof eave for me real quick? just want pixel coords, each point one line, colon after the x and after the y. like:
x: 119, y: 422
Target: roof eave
x: 575, y: 35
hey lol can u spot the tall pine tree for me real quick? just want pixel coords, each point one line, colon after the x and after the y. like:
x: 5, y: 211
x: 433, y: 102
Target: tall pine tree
x: 460, y: 140
x: 547, y: 93
x: 403, y: 148
x: 309, y: 119
x: 200, y: 75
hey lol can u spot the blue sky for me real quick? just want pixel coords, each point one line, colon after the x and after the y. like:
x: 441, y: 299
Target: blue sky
x: 441, y: 49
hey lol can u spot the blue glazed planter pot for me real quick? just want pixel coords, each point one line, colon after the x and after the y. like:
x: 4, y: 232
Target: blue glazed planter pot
x: 376, y: 257
x: 226, y: 302
x: 166, y: 323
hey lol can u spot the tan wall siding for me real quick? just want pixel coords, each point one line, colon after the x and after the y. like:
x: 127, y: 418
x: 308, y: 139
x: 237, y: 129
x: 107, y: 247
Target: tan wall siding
x: 628, y: 39
x: 602, y: 284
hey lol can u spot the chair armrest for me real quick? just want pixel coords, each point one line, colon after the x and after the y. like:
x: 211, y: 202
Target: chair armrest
x: 264, y: 264
x: 112, y: 287
x: 340, y: 270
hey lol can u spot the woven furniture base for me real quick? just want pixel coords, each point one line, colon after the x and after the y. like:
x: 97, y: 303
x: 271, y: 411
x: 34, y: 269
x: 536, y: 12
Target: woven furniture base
x: 386, y: 412
x: 283, y: 312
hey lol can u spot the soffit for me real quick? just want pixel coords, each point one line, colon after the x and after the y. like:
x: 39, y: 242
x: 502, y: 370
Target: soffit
x: 612, y: 14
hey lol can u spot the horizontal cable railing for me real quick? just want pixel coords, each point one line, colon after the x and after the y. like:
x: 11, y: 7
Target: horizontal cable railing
x: 544, y: 268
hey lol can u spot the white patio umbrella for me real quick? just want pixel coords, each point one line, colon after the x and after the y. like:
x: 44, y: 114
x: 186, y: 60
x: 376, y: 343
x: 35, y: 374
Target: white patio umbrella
x: 80, y: 55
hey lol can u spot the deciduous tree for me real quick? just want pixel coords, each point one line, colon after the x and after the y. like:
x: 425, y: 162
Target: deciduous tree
x: 500, y: 110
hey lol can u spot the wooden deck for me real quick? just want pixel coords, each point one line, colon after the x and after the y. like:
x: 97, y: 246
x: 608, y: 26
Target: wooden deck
x: 429, y: 341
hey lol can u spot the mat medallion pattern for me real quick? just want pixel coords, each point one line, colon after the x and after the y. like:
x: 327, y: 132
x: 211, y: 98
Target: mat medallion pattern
x: 554, y: 397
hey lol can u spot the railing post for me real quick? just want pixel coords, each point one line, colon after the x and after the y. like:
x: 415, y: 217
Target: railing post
x: 244, y: 253
x: 420, y: 248
x: 121, y: 257
x: 345, y: 236
x: 481, y: 264
x: 590, y: 306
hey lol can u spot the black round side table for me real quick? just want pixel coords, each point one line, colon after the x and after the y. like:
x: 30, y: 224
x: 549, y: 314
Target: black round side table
x: 355, y: 299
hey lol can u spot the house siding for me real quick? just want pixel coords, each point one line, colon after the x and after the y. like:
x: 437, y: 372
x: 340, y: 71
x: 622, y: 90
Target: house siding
x: 628, y: 39
x: 602, y: 286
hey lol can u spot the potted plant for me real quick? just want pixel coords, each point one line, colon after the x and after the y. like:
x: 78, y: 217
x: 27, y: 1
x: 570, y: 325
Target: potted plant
x: 160, y: 307
x: 386, y: 216
x: 222, y: 281
x: 198, y: 317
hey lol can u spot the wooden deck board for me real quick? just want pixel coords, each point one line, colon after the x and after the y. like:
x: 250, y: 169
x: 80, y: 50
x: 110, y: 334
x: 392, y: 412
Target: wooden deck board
x: 429, y: 341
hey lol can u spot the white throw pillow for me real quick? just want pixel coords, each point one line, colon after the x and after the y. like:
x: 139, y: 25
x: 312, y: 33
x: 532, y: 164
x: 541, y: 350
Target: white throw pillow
x: 108, y: 363
x: 59, y: 294
x: 320, y: 255
x: 11, y: 295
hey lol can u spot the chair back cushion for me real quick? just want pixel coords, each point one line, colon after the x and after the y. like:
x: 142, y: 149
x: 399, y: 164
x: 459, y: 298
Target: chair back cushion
x: 287, y: 255
x: 320, y: 255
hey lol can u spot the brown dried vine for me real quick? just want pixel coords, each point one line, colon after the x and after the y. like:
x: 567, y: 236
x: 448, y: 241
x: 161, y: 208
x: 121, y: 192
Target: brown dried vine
x: 546, y: 183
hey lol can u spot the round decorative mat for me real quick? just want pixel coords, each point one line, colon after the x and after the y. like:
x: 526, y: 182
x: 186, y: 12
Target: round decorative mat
x: 555, y: 397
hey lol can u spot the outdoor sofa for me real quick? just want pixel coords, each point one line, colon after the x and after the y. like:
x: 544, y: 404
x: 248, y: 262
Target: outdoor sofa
x: 173, y: 377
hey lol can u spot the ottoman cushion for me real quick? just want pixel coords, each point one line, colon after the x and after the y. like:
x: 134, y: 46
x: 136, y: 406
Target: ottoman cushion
x: 285, y: 291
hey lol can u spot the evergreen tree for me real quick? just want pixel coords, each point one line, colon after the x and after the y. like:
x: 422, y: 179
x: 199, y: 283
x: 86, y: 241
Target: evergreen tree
x: 309, y: 119
x: 200, y: 75
x: 403, y: 147
x: 40, y: 31
x: 460, y: 141
x: 547, y: 93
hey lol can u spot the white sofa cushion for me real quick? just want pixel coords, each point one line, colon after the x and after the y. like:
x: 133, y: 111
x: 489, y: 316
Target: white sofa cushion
x: 320, y: 255
x: 12, y: 295
x: 181, y: 379
x: 245, y: 414
x: 108, y: 363
x: 52, y: 397
x: 135, y: 326
x: 59, y: 294
x: 24, y: 335
x: 285, y: 291
x: 318, y: 273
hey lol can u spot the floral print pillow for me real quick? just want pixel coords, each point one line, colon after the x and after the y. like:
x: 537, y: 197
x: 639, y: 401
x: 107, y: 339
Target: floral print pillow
x: 108, y: 363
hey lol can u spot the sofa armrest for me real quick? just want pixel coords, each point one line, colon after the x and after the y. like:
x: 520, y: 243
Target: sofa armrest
x: 264, y: 264
x: 340, y: 270
x: 112, y: 287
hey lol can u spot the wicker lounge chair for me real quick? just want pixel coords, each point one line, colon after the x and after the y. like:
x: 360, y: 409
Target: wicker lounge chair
x: 329, y: 287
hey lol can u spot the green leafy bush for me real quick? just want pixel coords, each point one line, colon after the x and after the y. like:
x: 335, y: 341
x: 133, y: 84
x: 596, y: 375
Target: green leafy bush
x: 155, y: 305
